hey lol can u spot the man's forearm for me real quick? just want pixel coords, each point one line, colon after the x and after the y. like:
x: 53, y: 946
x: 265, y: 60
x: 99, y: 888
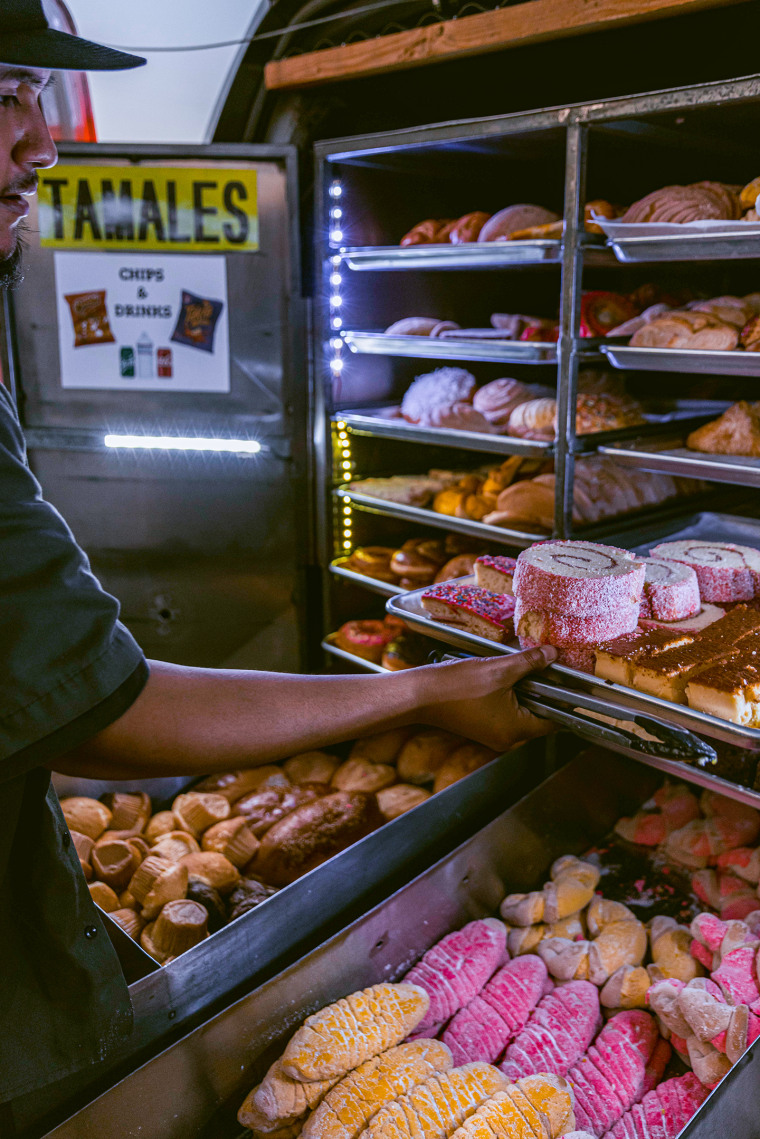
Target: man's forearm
x: 189, y: 720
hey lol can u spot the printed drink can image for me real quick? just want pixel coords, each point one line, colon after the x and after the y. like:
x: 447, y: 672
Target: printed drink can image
x: 164, y: 362
x: 127, y: 362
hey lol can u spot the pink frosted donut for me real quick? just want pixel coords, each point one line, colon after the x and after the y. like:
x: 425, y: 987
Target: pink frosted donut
x: 671, y: 590
x: 725, y: 572
x: 581, y: 657
x: 571, y: 631
x: 578, y: 578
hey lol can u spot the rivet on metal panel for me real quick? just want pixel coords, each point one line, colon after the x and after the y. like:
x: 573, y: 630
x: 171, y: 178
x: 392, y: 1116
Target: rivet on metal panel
x: 172, y: 1013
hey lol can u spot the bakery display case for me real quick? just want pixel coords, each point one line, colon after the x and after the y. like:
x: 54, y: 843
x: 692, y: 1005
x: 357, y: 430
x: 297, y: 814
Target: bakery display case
x: 206, y: 1075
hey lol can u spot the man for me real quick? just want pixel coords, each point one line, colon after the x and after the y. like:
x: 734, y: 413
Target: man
x: 78, y: 696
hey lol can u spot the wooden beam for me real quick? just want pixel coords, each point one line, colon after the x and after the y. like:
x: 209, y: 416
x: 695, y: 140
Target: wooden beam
x: 528, y: 23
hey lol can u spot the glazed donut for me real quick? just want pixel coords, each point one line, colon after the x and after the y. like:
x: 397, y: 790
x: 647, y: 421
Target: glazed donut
x: 725, y: 572
x: 365, y: 639
x: 463, y: 565
x: 417, y: 561
x: 581, y: 578
x: 671, y: 591
x: 373, y: 561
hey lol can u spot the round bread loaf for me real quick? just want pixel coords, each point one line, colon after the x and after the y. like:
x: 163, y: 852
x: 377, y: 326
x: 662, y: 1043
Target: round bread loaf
x: 507, y: 221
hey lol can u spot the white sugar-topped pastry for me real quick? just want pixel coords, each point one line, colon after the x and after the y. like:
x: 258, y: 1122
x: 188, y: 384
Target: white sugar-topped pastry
x: 578, y: 578
x: 725, y: 572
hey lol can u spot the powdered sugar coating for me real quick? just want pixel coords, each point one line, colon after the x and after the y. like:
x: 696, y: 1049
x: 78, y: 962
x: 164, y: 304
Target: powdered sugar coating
x: 441, y: 388
x: 571, y: 631
x: 671, y: 590
x: 558, y: 1032
x: 482, y: 1029
x: 457, y: 968
x: 497, y: 608
x: 725, y: 572
x: 579, y: 578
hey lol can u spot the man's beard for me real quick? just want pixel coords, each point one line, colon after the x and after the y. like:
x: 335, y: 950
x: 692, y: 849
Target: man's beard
x: 11, y: 273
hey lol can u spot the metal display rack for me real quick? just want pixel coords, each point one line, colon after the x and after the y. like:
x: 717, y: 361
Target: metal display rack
x: 354, y: 299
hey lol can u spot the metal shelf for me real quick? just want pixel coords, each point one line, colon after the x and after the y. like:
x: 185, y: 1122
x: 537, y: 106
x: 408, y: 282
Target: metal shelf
x: 358, y: 662
x: 471, y: 255
x: 452, y: 348
x: 380, y: 425
x: 678, y: 460
x: 686, y: 247
x: 734, y: 363
x: 425, y: 517
x: 384, y: 588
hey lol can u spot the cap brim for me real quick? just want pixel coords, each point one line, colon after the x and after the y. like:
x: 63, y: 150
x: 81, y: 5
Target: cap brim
x: 63, y: 52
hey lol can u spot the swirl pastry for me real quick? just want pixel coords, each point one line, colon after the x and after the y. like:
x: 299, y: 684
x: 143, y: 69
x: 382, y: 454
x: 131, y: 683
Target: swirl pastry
x: 671, y: 591
x: 725, y: 572
x: 580, y: 578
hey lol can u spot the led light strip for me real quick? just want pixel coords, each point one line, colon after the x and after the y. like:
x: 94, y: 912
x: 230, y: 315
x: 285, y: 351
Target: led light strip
x: 183, y: 443
x: 345, y: 465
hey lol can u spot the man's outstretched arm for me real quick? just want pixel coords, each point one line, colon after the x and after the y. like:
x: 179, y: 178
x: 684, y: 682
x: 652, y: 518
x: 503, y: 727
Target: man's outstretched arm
x: 189, y: 720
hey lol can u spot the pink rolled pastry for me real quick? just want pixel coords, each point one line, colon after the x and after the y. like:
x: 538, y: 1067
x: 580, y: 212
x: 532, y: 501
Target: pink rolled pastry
x: 569, y: 630
x: 457, y: 968
x: 664, y: 1112
x: 671, y: 591
x: 558, y: 1032
x: 725, y: 572
x: 612, y: 1075
x: 578, y: 578
x: 483, y: 1028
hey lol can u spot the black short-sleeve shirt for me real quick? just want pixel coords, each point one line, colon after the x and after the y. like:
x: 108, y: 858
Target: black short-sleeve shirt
x: 69, y: 668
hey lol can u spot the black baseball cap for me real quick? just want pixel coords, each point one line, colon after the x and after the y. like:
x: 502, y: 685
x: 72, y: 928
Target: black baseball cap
x: 26, y: 40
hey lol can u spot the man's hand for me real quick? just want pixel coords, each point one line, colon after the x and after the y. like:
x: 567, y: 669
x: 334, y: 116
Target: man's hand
x: 475, y: 698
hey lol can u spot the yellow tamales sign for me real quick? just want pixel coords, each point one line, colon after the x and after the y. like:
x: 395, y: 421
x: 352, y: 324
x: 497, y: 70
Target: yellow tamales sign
x: 174, y: 209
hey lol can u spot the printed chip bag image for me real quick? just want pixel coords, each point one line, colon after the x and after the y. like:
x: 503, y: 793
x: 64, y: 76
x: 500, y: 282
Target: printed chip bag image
x: 196, y: 323
x: 89, y: 316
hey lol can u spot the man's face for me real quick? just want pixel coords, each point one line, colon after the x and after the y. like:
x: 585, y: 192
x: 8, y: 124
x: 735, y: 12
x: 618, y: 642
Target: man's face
x: 25, y: 147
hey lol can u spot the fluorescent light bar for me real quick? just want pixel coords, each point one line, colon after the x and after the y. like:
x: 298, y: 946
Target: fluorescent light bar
x: 180, y: 443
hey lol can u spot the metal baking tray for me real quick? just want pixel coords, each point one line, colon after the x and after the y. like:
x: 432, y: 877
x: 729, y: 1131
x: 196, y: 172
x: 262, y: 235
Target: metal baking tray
x: 381, y: 423
x: 340, y: 568
x: 682, y: 360
x: 329, y: 646
x: 687, y: 247
x: 452, y: 348
x: 193, y: 1089
x: 428, y: 517
x: 470, y: 255
x: 675, y: 459
x: 253, y: 948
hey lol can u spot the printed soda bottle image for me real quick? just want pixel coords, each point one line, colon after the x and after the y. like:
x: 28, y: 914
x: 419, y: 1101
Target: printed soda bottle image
x: 145, y: 357
x: 164, y: 360
x: 127, y: 361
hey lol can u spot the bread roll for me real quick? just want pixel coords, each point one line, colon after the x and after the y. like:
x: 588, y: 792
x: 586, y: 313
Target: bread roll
x: 86, y: 816
x: 213, y: 869
x: 438, y: 1106
x: 356, y: 1028
x: 506, y: 222
x: 310, y: 767
x: 313, y: 833
x: 234, y: 784
x: 362, y: 775
x: 159, y: 825
x: 467, y: 228
x: 382, y: 747
x: 104, y: 897
x: 397, y: 800
x: 263, y: 809
x: 280, y: 1099
x: 462, y: 761
x: 423, y: 755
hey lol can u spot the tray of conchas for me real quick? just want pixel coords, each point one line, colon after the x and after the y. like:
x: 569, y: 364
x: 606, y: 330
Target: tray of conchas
x: 669, y: 634
x: 562, y: 973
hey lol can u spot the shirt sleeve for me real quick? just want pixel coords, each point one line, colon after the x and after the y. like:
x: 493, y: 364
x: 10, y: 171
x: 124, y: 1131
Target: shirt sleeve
x: 63, y: 650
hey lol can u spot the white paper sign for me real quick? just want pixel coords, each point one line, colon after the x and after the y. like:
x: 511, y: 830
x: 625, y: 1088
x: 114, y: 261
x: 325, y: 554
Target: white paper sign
x: 142, y: 322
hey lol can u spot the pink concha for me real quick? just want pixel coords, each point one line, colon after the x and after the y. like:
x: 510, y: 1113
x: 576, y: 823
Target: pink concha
x: 557, y: 1034
x: 457, y: 968
x: 578, y: 578
x: 725, y: 572
x: 671, y: 590
x: 569, y: 630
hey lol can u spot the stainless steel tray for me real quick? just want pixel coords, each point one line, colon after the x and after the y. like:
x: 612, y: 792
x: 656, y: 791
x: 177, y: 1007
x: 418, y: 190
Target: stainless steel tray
x: 687, y: 247
x: 677, y: 460
x: 358, y: 662
x: 440, y: 521
x: 379, y: 423
x: 471, y: 255
x: 452, y: 348
x: 385, y: 588
x: 677, y: 360
x: 193, y: 1089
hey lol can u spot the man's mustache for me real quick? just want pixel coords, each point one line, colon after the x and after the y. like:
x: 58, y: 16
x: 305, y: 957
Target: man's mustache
x: 22, y: 186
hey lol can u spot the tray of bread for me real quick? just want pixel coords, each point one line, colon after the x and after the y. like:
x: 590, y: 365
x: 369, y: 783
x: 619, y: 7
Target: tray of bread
x: 674, y: 635
x: 693, y: 360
